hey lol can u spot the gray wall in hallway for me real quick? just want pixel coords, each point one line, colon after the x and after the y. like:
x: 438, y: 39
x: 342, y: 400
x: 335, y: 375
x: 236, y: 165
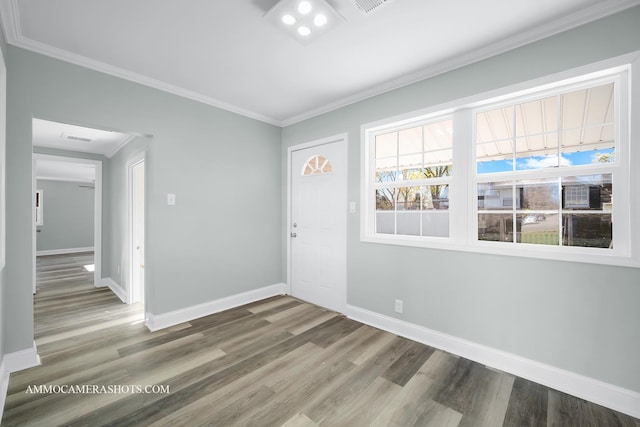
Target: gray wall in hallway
x: 3, y: 48
x: 106, y: 195
x: 223, y: 236
x: 118, y: 222
x: 68, y: 215
x: 579, y: 317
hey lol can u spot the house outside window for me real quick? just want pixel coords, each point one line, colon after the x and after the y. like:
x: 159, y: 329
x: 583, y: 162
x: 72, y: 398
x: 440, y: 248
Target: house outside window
x: 545, y: 168
x: 540, y: 172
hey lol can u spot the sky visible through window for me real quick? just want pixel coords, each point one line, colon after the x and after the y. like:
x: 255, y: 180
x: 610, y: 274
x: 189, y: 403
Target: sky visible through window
x: 540, y: 162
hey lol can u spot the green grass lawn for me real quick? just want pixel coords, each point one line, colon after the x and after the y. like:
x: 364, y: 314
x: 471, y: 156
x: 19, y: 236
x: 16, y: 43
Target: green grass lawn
x: 540, y: 237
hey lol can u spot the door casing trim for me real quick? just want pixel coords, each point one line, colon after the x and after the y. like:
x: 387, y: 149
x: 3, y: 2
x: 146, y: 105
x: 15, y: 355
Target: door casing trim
x: 97, y: 223
x: 139, y: 158
x: 343, y: 139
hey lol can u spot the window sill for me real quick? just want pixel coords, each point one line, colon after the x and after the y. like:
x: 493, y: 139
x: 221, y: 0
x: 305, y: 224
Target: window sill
x: 522, y: 250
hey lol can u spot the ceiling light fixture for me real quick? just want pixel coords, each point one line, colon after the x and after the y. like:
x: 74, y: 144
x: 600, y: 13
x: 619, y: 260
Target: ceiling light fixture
x: 304, y: 31
x: 288, y: 19
x: 304, y: 7
x: 304, y: 20
x: 320, y: 20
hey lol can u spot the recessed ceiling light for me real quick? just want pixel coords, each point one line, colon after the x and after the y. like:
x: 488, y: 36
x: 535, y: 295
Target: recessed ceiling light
x: 320, y: 20
x: 304, y: 7
x: 288, y: 19
x: 304, y: 31
x: 304, y: 20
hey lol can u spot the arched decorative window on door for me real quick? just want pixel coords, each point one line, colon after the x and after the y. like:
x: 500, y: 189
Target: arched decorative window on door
x: 317, y: 165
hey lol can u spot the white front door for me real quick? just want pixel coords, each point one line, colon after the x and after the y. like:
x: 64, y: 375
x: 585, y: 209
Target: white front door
x: 318, y: 224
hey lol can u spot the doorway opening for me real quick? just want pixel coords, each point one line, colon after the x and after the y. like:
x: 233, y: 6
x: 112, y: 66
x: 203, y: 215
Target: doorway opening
x: 67, y: 214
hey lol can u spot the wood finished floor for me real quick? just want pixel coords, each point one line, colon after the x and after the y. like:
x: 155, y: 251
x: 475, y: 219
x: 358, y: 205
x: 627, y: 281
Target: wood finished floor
x: 277, y: 362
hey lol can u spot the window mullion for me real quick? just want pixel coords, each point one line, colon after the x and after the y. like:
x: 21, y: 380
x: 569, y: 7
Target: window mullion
x: 460, y: 205
x: 414, y: 183
x: 560, y: 216
x: 422, y: 188
x: 596, y: 189
x: 560, y: 130
x: 514, y: 157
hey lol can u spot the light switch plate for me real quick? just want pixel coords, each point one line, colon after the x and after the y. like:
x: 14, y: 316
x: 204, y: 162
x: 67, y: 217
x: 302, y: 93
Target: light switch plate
x: 171, y: 199
x: 352, y: 207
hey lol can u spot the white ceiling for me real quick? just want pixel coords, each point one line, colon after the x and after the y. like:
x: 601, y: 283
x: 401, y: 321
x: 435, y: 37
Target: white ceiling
x: 223, y: 52
x: 77, y: 138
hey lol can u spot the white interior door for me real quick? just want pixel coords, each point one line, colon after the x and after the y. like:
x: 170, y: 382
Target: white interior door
x: 318, y: 224
x: 137, y: 232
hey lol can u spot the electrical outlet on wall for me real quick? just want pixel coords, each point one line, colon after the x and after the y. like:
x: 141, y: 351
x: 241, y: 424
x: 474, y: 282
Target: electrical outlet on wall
x: 399, y: 306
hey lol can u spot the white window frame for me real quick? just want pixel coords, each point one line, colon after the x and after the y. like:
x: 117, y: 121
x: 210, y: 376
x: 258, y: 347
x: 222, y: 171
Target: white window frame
x: 463, y: 182
x: 3, y: 161
x: 445, y: 180
x: 617, y: 169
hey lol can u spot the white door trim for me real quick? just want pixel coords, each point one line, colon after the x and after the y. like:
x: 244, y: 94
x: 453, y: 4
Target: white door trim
x: 3, y: 168
x: 97, y: 221
x: 133, y: 161
x: 341, y: 139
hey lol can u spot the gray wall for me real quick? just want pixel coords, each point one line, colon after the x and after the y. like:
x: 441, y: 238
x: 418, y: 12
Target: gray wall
x: 118, y: 202
x: 222, y: 237
x: 3, y: 47
x: 68, y: 214
x: 106, y: 193
x: 579, y: 317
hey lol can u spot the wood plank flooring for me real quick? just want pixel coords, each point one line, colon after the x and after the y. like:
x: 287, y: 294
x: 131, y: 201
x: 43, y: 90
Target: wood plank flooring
x: 277, y: 362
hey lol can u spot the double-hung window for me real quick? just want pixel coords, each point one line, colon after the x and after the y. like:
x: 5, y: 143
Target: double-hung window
x: 540, y: 172
x: 546, y: 168
x: 413, y: 168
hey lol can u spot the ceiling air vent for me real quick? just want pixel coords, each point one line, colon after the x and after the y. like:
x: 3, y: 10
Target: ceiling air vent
x: 78, y: 138
x: 368, y: 6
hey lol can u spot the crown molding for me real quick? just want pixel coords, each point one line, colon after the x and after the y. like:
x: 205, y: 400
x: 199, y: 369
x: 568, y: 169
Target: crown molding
x: 85, y: 62
x: 113, y: 152
x: 10, y: 18
x: 549, y: 29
